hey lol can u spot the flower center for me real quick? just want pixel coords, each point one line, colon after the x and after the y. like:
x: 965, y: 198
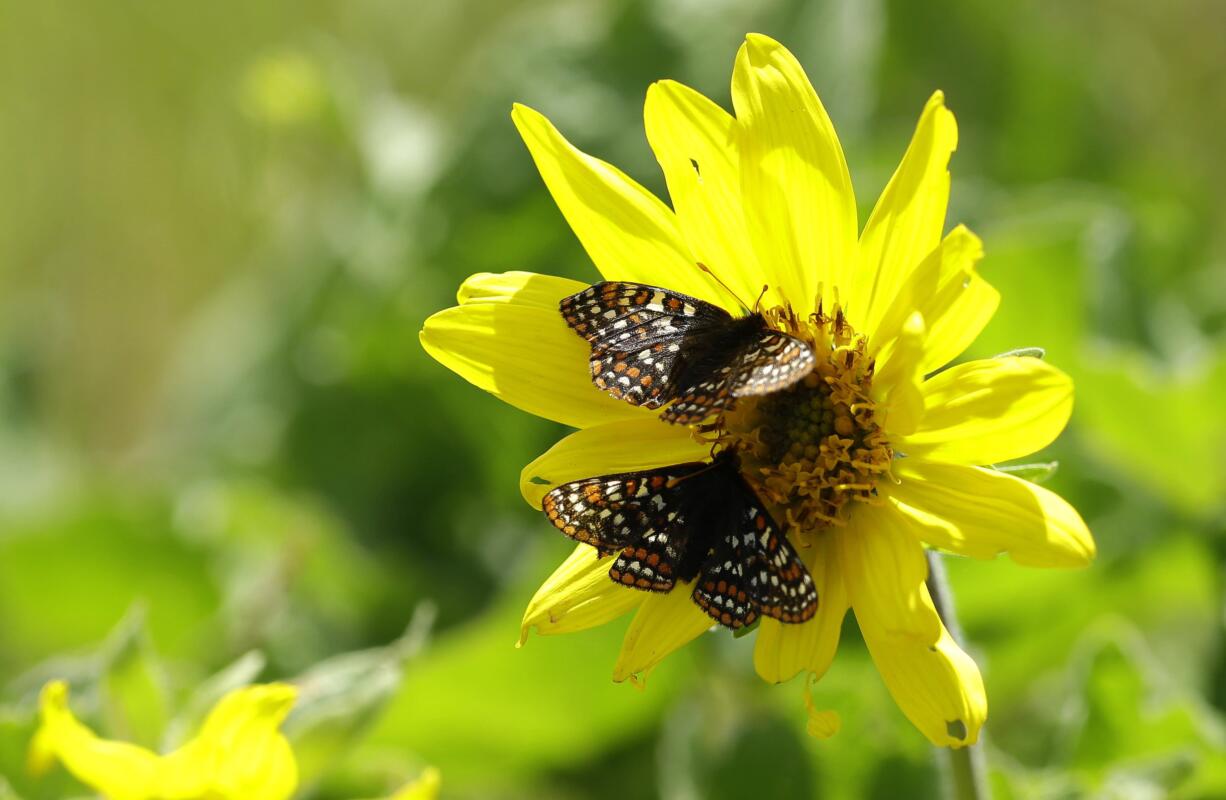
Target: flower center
x: 813, y: 449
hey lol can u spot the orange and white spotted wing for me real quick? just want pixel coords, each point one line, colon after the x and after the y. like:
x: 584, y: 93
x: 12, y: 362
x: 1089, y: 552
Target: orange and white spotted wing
x: 695, y: 522
x: 651, y: 347
x: 761, y: 364
x: 636, y: 334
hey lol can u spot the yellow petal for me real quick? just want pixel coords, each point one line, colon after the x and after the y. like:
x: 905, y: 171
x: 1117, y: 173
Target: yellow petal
x: 796, y: 190
x: 883, y: 565
x: 955, y: 302
x: 577, y: 596
x: 899, y: 381
x: 981, y: 512
x: 627, y: 232
x: 937, y: 685
x: 119, y: 770
x: 991, y: 410
x: 695, y: 142
x: 239, y: 752
x: 961, y: 309
x: 521, y: 288
x: 907, y: 223
x: 783, y: 650
x: 664, y: 623
x: 426, y: 787
x: 823, y: 723
x: 522, y: 352
x: 615, y: 447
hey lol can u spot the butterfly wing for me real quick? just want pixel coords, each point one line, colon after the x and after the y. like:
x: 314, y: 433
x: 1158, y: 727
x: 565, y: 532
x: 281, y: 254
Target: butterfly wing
x: 636, y: 333
x: 651, y: 564
x: 721, y: 589
x: 710, y: 395
x: 779, y: 583
x: 770, y: 362
x: 754, y: 571
x: 643, y: 514
x: 602, y: 512
x: 612, y: 313
x: 750, y: 359
x: 695, y: 520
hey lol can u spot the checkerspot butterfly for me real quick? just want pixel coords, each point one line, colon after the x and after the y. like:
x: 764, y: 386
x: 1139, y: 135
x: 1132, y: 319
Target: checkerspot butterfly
x: 698, y: 520
x: 652, y: 347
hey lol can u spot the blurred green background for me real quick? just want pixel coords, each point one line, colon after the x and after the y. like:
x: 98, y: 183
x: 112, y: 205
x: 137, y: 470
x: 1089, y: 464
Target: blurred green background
x: 223, y: 453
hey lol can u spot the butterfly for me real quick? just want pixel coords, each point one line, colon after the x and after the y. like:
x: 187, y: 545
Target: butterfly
x: 652, y: 347
x: 698, y: 521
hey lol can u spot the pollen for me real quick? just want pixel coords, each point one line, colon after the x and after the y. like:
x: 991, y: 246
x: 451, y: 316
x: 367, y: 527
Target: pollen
x: 815, y: 449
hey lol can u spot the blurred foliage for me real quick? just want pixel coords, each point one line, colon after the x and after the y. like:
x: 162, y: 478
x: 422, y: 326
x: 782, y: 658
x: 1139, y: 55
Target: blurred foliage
x: 224, y: 457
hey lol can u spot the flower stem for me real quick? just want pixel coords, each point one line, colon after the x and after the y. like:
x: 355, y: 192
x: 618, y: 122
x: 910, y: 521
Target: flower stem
x: 965, y: 769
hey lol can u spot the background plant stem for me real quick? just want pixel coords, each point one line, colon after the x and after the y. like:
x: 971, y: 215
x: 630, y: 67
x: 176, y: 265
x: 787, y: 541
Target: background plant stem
x: 966, y: 774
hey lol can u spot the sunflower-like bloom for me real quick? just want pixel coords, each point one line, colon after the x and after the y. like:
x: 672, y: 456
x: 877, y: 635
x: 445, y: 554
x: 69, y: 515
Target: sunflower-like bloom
x: 239, y: 753
x: 865, y: 462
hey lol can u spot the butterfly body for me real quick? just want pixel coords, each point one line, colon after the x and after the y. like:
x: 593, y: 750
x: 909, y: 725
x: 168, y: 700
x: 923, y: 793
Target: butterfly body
x: 652, y: 347
x: 695, y: 522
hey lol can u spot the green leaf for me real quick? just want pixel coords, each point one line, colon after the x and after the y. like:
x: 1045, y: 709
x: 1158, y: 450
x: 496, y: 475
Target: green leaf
x: 1032, y: 641
x: 122, y: 678
x: 1164, y: 430
x: 341, y: 697
x: 488, y: 714
x: 137, y: 693
x: 16, y: 730
x: 1134, y: 717
x: 85, y: 568
x: 6, y: 790
x: 707, y: 748
x: 119, y: 688
x: 242, y: 672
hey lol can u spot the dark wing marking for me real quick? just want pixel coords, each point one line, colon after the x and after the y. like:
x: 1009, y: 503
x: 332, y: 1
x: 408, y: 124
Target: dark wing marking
x: 651, y: 346
x: 652, y: 563
x: 641, y: 376
x: 722, y: 590
x: 601, y: 512
x: 685, y: 522
x: 772, y: 362
x: 602, y: 312
x: 710, y: 395
x: 640, y: 513
x: 766, y: 362
x: 636, y: 333
x: 779, y: 583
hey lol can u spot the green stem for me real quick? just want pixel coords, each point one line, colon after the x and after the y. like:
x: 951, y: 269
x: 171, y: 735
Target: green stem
x: 965, y: 770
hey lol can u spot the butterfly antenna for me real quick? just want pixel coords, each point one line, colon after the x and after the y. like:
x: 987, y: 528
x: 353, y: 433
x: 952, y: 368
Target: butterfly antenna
x: 726, y: 287
x: 757, y: 304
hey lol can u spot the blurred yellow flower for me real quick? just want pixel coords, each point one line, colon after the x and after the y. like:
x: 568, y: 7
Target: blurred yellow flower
x: 239, y: 753
x: 283, y: 89
x: 867, y: 462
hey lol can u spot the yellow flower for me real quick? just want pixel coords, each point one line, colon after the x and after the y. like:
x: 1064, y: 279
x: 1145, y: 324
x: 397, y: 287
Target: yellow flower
x: 238, y: 754
x: 865, y: 461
